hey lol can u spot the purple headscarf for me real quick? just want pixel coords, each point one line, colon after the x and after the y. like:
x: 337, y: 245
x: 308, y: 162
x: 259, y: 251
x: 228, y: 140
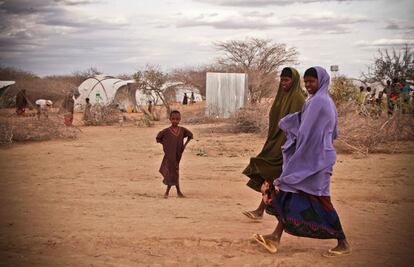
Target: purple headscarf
x: 308, y: 166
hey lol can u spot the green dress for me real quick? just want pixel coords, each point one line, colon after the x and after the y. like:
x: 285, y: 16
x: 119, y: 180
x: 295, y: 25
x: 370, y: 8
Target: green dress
x: 267, y: 165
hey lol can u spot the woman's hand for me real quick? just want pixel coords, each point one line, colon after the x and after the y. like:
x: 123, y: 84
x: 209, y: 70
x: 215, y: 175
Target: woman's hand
x: 267, y: 198
x: 266, y: 193
x: 265, y: 187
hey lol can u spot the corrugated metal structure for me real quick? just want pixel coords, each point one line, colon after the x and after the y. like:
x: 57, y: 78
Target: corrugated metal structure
x: 226, y: 93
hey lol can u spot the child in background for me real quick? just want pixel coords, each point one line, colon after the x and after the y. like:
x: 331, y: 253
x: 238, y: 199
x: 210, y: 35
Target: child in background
x: 172, y: 140
x: 87, y: 115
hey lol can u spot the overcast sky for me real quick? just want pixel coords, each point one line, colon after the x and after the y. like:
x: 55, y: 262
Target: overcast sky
x: 61, y: 36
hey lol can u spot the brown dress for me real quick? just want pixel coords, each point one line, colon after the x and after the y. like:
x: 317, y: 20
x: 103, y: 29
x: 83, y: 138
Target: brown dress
x: 68, y: 106
x: 21, y: 102
x: 173, y: 145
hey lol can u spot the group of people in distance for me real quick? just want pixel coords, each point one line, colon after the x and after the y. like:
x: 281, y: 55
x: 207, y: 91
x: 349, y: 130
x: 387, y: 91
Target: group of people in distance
x: 43, y: 105
x: 293, y: 169
x: 22, y: 102
x: 396, y: 95
x: 185, y: 99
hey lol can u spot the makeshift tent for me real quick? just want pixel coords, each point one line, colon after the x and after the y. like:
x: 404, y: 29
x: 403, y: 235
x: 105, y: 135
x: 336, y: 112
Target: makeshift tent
x: 106, y: 90
x: 226, y: 93
x: 5, y: 99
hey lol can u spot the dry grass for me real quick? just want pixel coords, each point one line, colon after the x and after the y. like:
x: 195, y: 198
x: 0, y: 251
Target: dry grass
x: 367, y: 134
x: 105, y: 115
x: 252, y: 119
x: 30, y: 128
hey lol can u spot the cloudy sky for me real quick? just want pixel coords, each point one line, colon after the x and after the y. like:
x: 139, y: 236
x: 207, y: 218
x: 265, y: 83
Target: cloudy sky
x: 61, y: 36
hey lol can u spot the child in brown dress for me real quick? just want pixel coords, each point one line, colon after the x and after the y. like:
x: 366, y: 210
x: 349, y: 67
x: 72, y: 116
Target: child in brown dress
x: 172, y: 140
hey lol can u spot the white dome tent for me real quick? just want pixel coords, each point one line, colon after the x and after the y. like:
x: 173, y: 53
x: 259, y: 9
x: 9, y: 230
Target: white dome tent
x: 106, y: 90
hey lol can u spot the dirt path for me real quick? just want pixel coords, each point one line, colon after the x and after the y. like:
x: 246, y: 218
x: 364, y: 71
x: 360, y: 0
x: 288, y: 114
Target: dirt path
x: 97, y: 201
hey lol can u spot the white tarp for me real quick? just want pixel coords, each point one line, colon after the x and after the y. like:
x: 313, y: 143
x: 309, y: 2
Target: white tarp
x: 105, y: 90
x: 226, y: 93
x: 6, y: 83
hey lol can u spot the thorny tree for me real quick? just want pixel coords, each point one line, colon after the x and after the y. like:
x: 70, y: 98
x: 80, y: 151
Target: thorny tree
x: 195, y: 76
x: 260, y: 59
x: 390, y: 65
x: 152, y: 81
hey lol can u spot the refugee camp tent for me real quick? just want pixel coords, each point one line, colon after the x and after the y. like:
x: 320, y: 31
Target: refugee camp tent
x: 226, y: 93
x: 5, y: 99
x: 106, y: 90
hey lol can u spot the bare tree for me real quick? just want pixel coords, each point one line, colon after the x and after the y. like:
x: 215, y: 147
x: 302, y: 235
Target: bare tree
x: 152, y: 81
x: 194, y: 76
x: 396, y: 64
x: 80, y: 76
x: 260, y: 59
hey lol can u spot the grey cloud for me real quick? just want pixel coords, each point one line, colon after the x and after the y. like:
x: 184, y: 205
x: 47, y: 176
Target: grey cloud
x: 399, y: 25
x: 76, y: 2
x: 38, y: 6
x: 330, y: 25
x: 256, y: 3
x: 384, y: 43
x: 258, y: 14
x: 48, y: 30
x: 226, y: 24
x: 41, y: 18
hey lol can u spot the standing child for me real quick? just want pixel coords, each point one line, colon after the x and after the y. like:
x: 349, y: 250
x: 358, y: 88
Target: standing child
x: 87, y: 114
x: 172, y: 140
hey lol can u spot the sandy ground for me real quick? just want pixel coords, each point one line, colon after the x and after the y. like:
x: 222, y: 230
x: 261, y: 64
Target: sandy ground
x: 97, y: 201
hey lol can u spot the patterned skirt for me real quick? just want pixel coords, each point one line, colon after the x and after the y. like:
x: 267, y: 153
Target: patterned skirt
x: 305, y: 215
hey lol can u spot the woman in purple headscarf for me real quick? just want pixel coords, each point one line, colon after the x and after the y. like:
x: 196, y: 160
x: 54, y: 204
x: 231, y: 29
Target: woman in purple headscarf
x: 300, y: 197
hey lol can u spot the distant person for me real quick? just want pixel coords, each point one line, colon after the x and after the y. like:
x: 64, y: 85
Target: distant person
x: 405, y: 97
x: 68, y: 106
x: 405, y: 91
x: 300, y: 196
x: 192, y: 98
x: 380, y: 102
x: 43, y: 106
x: 368, y: 96
x: 388, y: 91
x: 394, y: 95
x: 185, y: 99
x: 267, y: 165
x: 87, y: 114
x: 21, y: 102
x: 150, y: 107
x: 172, y: 140
x: 361, y: 98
